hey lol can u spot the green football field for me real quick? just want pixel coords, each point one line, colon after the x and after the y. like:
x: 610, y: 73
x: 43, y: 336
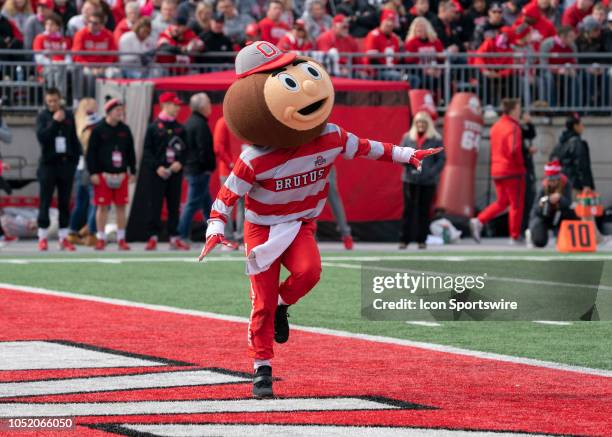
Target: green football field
x: 220, y: 286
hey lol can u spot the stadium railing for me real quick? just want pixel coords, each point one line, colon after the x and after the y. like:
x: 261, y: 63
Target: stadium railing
x: 538, y: 80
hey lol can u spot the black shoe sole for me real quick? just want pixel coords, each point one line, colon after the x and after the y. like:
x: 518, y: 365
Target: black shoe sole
x: 263, y: 393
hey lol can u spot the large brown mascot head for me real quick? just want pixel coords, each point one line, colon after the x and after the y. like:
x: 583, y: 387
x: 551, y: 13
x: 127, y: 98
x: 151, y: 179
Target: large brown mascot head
x: 279, y: 99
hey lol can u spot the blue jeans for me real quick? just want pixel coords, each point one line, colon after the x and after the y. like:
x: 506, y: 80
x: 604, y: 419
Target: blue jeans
x: 198, y: 198
x: 83, y: 210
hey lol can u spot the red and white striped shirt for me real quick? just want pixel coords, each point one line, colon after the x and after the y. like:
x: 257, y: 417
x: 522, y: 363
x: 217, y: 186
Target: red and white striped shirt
x: 283, y: 185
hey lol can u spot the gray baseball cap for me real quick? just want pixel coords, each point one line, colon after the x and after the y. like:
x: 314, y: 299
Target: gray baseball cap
x: 261, y: 56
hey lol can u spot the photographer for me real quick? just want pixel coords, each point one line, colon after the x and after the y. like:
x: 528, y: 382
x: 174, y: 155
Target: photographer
x: 60, y: 147
x: 552, y: 205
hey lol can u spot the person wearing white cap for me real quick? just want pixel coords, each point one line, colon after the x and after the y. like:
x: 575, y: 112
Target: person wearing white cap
x: 280, y: 104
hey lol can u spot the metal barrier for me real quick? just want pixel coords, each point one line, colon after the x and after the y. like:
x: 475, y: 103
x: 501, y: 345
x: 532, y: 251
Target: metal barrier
x: 538, y: 80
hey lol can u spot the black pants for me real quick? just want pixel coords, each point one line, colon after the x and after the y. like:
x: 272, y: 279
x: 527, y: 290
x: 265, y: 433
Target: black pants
x: 59, y: 175
x: 539, y: 227
x: 417, y: 205
x: 169, y: 189
x: 530, y: 194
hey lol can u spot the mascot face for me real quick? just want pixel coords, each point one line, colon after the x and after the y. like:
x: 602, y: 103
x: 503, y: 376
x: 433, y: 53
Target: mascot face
x: 300, y: 95
x: 279, y: 100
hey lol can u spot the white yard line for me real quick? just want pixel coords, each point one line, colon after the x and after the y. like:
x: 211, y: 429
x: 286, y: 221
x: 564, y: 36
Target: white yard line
x: 324, y: 331
x: 552, y: 322
x: 427, y: 324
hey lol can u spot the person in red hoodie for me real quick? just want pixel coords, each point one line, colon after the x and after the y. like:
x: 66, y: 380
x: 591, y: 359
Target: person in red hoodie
x: 423, y: 41
x: 382, y: 44
x: 94, y: 37
x: 271, y: 28
x: 573, y: 15
x: 541, y: 27
x: 338, y: 40
x: 507, y: 171
x: 51, y: 40
x: 297, y: 40
x: 497, y: 74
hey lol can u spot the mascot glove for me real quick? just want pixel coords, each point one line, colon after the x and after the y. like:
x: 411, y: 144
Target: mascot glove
x: 412, y: 156
x: 214, y: 236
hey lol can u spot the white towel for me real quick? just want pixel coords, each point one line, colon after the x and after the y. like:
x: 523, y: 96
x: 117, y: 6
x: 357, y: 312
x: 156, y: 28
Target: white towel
x: 280, y: 238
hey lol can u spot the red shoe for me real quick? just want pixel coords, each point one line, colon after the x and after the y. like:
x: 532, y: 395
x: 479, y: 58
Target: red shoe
x: 100, y: 245
x: 151, y: 244
x: 123, y: 245
x: 9, y: 238
x: 43, y: 245
x: 66, y: 245
x: 179, y: 244
x: 348, y: 242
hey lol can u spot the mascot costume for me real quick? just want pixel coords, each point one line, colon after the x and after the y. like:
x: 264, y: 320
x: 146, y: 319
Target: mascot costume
x: 280, y: 104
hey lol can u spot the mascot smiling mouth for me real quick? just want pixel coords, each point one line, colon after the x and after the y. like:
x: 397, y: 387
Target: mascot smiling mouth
x: 313, y: 107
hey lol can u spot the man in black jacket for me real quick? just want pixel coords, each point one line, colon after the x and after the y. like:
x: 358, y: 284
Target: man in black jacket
x: 163, y: 159
x: 199, y: 163
x: 60, y: 149
x: 215, y: 40
x: 573, y: 153
x: 110, y: 155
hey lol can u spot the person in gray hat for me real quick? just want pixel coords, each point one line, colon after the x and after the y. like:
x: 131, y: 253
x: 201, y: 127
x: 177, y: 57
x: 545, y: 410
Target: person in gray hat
x: 280, y: 104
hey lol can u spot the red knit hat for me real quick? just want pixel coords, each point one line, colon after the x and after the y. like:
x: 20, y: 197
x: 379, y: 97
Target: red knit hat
x: 552, y: 169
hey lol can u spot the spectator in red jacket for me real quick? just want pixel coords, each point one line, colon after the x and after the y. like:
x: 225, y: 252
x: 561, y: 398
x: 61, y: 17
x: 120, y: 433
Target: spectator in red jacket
x: 132, y: 14
x: 95, y: 38
x: 338, y: 40
x: 576, y: 13
x: 558, y: 62
x: 297, y: 40
x: 51, y: 40
x: 423, y: 41
x: 382, y: 44
x: 541, y: 27
x: 498, y: 79
x: 271, y: 27
x: 507, y: 171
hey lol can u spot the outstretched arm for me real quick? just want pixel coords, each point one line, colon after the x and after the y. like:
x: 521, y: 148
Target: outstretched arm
x: 354, y: 147
x: 238, y: 183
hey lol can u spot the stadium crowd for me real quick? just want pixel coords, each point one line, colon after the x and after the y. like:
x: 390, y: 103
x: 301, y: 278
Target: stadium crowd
x: 407, y: 39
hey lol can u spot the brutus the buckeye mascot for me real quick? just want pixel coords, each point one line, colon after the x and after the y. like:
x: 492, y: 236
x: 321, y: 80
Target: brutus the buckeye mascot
x: 280, y: 104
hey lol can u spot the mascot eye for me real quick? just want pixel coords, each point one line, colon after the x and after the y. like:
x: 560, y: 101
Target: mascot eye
x: 311, y: 71
x: 289, y: 82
